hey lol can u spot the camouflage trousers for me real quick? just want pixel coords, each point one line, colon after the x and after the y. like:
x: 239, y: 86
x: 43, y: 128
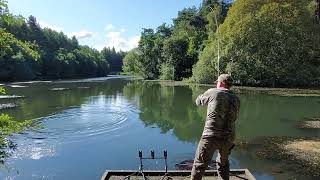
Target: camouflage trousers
x: 206, y: 148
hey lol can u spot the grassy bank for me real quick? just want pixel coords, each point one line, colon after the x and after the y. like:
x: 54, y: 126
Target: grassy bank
x: 309, y: 123
x: 298, y: 155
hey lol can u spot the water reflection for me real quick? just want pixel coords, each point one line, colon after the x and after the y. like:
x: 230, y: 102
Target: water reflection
x: 40, y: 102
x: 167, y: 107
x: 6, y: 149
x: 73, y: 114
x: 173, y: 107
x: 102, y: 124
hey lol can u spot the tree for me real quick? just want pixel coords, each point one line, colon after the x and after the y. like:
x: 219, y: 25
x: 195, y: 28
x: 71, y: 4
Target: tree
x: 131, y: 63
x: 35, y: 32
x: 31, y: 52
x: 148, y: 59
x: 205, y: 70
x: 271, y: 43
x: 208, y: 5
x: 167, y: 72
x: 13, y: 54
x: 175, y: 52
x: 207, y: 67
x: 113, y: 58
x: 171, y: 51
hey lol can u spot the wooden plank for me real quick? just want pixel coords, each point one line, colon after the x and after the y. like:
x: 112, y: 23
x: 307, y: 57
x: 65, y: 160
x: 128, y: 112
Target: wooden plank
x: 210, y: 174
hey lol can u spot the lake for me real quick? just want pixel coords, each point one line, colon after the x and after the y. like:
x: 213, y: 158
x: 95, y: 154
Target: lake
x: 98, y: 124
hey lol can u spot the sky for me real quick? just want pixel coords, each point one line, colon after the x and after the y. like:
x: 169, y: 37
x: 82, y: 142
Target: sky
x: 102, y: 23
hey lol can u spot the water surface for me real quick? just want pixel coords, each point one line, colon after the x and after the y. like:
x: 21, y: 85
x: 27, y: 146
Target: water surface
x: 98, y: 124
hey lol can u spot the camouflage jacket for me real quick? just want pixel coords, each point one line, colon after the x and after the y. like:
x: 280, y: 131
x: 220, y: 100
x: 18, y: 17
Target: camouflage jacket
x: 223, y: 110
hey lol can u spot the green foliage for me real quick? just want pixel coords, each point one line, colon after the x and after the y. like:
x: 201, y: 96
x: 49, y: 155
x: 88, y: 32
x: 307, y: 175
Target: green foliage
x: 204, y: 71
x: 268, y: 43
x: 146, y: 60
x: 3, y: 10
x: 175, y: 53
x: 148, y: 56
x: 28, y: 51
x: 2, y: 90
x: 278, y: 44
x: 114, y: 59
x: 14, y: 55
x: 167, y: 72
x: 14, y: 48
x: 171, y: 52
x: 8, y: 125
x: 131, y: 63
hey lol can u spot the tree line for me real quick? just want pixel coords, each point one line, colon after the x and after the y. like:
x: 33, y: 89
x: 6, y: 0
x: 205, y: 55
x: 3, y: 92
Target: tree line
x: 262, y: 43
x: 29, y: 52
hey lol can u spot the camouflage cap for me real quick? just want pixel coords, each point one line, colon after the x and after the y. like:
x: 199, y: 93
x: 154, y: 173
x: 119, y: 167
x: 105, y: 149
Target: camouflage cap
x: 226, y: 78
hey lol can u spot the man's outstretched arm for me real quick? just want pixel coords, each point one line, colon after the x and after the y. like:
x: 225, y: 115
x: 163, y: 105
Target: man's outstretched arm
x: 203, y: 99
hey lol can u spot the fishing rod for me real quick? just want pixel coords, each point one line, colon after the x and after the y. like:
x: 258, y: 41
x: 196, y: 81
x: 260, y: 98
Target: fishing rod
x: 218, y: 37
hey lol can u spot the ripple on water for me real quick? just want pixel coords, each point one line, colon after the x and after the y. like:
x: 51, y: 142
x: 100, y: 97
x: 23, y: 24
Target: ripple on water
x: 34, y: 150
x: 90, y: 122
x: 96, y: 119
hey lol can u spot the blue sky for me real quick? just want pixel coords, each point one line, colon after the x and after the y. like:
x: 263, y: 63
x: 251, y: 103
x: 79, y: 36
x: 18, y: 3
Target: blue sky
x: 100, y: 23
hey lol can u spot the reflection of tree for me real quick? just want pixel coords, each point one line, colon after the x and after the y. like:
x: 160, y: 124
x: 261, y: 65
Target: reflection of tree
x: 40, y: 101
x: 168, y: 107
x: 6, y: 147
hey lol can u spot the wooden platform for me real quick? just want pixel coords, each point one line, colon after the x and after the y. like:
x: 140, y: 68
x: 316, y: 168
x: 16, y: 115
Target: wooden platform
x: 235, y: 174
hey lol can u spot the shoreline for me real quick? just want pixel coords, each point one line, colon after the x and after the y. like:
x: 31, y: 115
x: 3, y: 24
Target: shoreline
x: 282, y: 92
x: 285, y: 92
x: 298, y: 155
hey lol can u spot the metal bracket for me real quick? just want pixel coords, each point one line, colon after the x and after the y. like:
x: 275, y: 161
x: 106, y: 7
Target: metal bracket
x: 152, y: 156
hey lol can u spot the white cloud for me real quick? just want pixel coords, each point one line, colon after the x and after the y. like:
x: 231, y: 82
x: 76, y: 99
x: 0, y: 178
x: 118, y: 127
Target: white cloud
x: 113, y: 34
x: 116, y: 40
x: 109, y: 27
x: 47, y: 25
x: 81, y: 34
